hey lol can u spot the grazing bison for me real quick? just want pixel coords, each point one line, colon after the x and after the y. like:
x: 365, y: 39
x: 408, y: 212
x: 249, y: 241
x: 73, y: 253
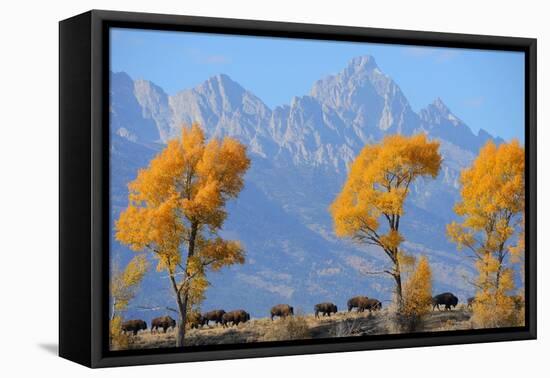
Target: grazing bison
x: 162, y: 322
x: 134, y: 326
x: 447, y: 299
x: 195, y: 320
x: 235, y: 317
x: 213, y: 316
x: 281, y: 310
x: 471, y: 301
x: 325, y: 309
x: 371, y: 304
x: 356, y: 302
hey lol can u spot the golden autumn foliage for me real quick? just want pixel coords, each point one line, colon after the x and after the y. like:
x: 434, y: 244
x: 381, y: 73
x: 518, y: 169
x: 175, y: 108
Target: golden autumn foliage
x: 124, y: 283
x: 370, y: 206
x: 417, y: 291
x: 177, y: 206
x: 492, y: 207
x: 118, y: 339
x: 123, y: 288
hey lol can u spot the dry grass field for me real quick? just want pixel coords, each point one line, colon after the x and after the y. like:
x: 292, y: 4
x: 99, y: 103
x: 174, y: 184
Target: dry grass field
x: 342, y: 324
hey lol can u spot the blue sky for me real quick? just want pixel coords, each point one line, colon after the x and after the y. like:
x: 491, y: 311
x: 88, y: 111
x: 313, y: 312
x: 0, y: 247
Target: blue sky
x: 483, y: 88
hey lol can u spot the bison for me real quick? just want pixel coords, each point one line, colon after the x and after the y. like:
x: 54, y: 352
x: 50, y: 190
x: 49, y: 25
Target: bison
x: 371, y: 304
x: 235, y: 317
x: 447, y: 299
x: 134, y: 326
x: 355, y: 302
x: 213, y: 316
x: 162, y: 322
x: 325, y: 309
x: 471, y: 301
x: 195, y: 320
x: 282, y: 311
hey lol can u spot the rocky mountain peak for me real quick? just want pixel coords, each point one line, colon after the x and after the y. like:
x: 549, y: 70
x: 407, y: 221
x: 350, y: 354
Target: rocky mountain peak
x: 440, y: 106
x: 361, y: 64
x: 438, y: 113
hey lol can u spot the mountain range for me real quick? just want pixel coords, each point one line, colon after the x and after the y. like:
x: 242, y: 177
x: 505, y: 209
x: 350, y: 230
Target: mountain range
x: 300, y: 154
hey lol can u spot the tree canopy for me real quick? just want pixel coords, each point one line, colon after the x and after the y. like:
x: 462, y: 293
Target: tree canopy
x: 492, y: 209
x: 375, y: 192
x: 176, y: 207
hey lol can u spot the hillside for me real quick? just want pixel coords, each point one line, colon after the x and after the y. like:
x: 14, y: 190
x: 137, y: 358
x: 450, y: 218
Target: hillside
x: 303, y: 327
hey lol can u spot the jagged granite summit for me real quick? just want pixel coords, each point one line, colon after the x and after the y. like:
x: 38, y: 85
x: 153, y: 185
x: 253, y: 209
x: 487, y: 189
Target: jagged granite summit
x: 300, y: 153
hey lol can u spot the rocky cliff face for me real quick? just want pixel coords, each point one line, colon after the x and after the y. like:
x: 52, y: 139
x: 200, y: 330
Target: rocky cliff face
x: 300, y: 153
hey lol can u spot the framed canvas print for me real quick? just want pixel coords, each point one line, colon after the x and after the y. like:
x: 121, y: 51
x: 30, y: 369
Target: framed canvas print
x: 233, y: 188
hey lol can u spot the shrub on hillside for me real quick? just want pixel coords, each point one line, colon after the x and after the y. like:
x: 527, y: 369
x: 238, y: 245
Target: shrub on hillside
x: 290, y: 328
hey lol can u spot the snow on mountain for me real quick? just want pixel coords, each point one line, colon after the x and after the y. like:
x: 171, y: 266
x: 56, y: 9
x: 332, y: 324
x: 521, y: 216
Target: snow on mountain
x: 300, y: 153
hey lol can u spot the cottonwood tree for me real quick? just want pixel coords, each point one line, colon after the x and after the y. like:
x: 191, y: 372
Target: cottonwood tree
x: 177, y: 208
x: 369, y: 209
x: 492, y: 208
x: 123, y: 287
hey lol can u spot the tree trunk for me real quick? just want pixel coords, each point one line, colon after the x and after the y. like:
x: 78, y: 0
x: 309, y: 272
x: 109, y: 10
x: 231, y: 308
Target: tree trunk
x: 182, y: 309
x: 398, y: 290
x: 183, y: 298
x: 180, y: 336
x: 398, y: 285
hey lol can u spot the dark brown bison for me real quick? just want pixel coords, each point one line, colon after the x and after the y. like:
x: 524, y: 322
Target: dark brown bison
x: 371, y: 304
x: 213, y: 316
x: 447, y: 299
x: 281, y: 310
x: 355, y: 302
x: 235, y: 317
x: 195, y: 320
x: 162, y: 322
x: 134, y: 326
x: 471, y: 301
x: 325, y: 309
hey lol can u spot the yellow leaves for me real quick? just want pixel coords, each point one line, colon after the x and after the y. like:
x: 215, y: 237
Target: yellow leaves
x: 156, y: 228
x: 417, y: 291
x: 118, y: 340
x: 392, y: 202
x: 494, y: 186
x: 222, y: 252
x: 460, y: 235
x: 161, y: 180
x: 186, y: 183
x: 492, y: 199
x: 379, y: 179
x: 409, y: 156
x: 177, y: 203
x: 492, y: 196
x: 192, y: 145
x: 124, y: 283
x: 489, y: 265
x: 351, y: 212
x: 377, y: 187
x: 406, y: 261
x: 498, y: 308
x: 391, y: 240
x: 135, y: 270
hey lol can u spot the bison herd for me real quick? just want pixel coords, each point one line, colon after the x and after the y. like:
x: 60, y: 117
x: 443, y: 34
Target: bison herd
x: 234, y: 318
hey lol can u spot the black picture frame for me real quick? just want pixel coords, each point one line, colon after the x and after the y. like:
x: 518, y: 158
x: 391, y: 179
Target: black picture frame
x: 84, y: 179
